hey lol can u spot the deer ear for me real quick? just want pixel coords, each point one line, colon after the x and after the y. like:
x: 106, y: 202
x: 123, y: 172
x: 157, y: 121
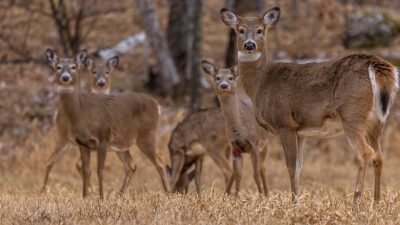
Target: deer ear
x: 271, y: 17
x: 235, y: 70
x: 81, y: 57
x: 208, y: 67
x: 112, y: 63
x: 89, y: 63
x: 229, y: 18
x: 51, y: 57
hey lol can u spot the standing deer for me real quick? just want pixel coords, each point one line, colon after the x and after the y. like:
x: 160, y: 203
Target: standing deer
x: 200, y: 133
x: 99, y: 83
x: 351, y: 95
x: 243, y: 131
x: 98, y: 122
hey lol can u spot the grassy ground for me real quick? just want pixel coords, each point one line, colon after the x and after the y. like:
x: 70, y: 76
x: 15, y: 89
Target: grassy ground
x: 327, y: 181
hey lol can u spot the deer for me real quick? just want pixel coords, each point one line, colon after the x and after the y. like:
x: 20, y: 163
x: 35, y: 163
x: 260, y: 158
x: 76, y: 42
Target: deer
x: 351, y: 96
x: 100, y: 82
x: 201, y: 133
x: 103, y: 122
x: 243, y: 131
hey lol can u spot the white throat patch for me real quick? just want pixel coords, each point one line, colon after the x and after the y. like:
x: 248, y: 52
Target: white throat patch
x: 245, y: 57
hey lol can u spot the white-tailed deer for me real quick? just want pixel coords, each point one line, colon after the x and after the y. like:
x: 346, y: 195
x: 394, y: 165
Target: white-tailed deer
x: 100, y: 82
x: 243, y: 131
x: 200, y: 133
x: 100, y: 122
x: 315, y: 100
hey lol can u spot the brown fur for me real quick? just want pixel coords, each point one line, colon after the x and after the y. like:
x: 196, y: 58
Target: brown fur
x: 200, y: 133
x: 316, y: 99
x: 101, y: 122
x: 243, y: 131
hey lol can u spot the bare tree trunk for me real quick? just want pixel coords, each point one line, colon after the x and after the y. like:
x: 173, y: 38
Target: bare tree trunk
x: 196, y: 95
x: 240, y: 7
x: 151, y: 24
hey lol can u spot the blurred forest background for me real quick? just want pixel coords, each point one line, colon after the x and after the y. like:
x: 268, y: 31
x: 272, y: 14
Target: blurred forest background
x: 160, y: 44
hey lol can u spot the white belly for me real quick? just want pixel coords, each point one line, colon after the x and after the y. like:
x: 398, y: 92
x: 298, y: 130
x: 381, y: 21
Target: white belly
x: 330, y: 128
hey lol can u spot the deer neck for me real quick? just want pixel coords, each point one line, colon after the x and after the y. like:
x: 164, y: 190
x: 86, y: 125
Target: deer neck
x: 69, y: 104
x: 250, y: 72
x: 230, y: 109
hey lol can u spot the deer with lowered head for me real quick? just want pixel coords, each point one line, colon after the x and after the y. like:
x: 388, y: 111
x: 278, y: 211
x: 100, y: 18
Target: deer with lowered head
x: 100, y: 122
x: 243, y: 131
x: 100, y: 82
x: 201, y: 133
x: 351, y: 95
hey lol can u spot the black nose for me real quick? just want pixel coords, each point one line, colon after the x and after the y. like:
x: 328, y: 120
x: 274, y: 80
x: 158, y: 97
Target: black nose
x: 101, y: 83
x: 249, y: 46
x: 65, y: 78
x: 224, y: 86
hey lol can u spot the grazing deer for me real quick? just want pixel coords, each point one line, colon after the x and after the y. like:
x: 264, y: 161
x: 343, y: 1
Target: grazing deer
x: 243, y: 131
x: 100, y: 122
x: 351, y: 95
x: 99, y: 83
x: 200, y: 133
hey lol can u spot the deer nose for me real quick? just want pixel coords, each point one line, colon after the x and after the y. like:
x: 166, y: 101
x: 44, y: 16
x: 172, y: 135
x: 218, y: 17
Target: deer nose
x: 224, y: 86
x: 65, y: 78
x: 101, y: 83
x: 249, y: 46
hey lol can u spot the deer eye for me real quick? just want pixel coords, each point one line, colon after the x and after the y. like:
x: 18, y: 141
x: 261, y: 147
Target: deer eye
x: 259, y: 31
x: 241, y: 31
x: 73, y: 67
x: 217, y: 78
x: 230, y: 78
x: 94, y: 72
x: 59, y: 67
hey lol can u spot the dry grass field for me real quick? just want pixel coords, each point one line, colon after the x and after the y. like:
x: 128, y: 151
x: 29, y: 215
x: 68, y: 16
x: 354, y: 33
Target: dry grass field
x: 327, y: 181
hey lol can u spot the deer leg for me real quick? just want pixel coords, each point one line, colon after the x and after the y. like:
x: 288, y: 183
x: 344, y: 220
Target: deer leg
x: 237, y: 170
x: 255, y: 161
x: 197, y: 176
x: 59, y: 151
x: 129, y: 168
x: 374, y: 136
x: 78, y: 165
x: 101, y: 159
x: 85, y: 157
x: 177, y: 161
x: 263, y: 155
x: 364, y: 152
x: 147, y: 144
x: 289, y: 142
x: 223, y: 163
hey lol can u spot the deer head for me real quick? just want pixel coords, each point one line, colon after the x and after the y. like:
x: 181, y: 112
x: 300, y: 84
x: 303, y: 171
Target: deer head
x: 224, y: 80
x: 250, y: 32
x: 100, y: 72
x: 66, y: 68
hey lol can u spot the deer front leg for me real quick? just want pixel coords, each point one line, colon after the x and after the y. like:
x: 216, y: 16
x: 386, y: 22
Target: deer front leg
x: 237, y: 171
x: 78, y: 165
x: 101, y: 159
x: 255, y: 160
x: 85, y: 157
x: 263, y: 155
x: 197, y: 176
x: 129, y: 168
x: 59, y: 150
x: 288, y: 139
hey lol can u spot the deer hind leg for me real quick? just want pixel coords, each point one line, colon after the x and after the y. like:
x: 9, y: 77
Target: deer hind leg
x: 85, y: 157
x: 59, y: 151
x: 129, y: 168
x: 374, y: 136
x: 364, y: 152
x: 147, y: 144
x: 289, y: 142
x: 177, y: 161
x: 263, y: 155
